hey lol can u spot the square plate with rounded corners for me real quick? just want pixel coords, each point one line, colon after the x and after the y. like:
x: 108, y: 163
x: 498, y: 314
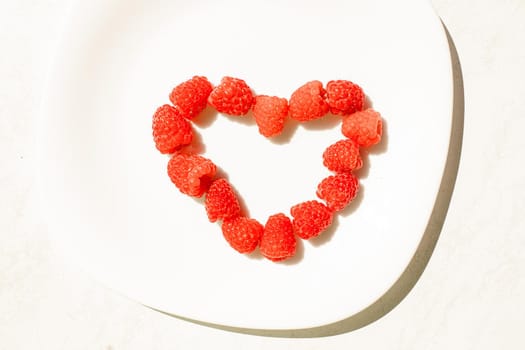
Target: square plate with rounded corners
x: 112, y: 209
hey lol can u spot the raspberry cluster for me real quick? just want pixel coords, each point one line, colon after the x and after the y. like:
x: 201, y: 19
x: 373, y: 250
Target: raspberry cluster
x: 196, y: 176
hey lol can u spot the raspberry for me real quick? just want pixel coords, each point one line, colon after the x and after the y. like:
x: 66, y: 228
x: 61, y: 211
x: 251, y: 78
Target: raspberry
x: 232, y: 96
x: 170, y: 129
x: 221, y: 202
x: 191, y: 173
x: 310, y: 218
x: 338, y: 190
x: 269, y: 113
x: 278, y: 240
x: 242, y: 233
x: 364, y: 127
x: 190, y: 97
x: 342, y: 156
x: 308, y: 102
x: 344, y: 97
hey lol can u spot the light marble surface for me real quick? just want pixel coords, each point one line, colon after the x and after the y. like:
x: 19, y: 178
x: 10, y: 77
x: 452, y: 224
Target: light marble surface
x: 469, y: 296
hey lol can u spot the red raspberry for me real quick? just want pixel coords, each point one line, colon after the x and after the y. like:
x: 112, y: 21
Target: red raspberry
x: 191, y: 173
x: 278, y: 240
x: 232, y: 96
x: 221, y: 201
x: 344, y: 97
x: 310, y: 218
x: 343, y: 156
x: 170, y: 129
x: 338, y: 190
x: 269, y: 113
x: 364, y: 127
x: 190, y: 97
x: 308, y: 102
x: 242, y: 233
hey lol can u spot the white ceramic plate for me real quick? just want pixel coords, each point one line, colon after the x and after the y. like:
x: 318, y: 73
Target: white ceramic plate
x: 113, y: 210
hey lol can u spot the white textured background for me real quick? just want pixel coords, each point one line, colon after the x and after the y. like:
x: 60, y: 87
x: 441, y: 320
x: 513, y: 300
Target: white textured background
x: 470, y: 295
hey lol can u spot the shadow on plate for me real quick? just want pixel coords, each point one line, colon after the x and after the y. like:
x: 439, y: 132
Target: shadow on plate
x: 419, y: 261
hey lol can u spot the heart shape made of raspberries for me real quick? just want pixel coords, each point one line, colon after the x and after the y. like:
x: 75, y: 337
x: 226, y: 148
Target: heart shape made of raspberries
x: 196, y: 176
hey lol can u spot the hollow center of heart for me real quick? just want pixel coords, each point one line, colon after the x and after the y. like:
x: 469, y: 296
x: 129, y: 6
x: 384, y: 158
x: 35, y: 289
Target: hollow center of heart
x: 270, y: 175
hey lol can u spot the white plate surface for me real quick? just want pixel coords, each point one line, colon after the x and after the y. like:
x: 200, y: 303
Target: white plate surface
x: 113, y: 210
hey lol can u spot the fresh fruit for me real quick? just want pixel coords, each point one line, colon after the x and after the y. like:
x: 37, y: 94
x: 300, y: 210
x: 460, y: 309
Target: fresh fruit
x: 191, y: 96
x: 221, y: 201
x: 342, y: 156
x: 170, y: 129
x: 242, y: 233
x: 308, y: 102
x: 338, y: 190
x: 364, y: 127
x: 269, y: 113
x: 310, y: 218
x: 192, y: 174
x: 278, y: 241
x: 232, y: 96
x: 344, y: 97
